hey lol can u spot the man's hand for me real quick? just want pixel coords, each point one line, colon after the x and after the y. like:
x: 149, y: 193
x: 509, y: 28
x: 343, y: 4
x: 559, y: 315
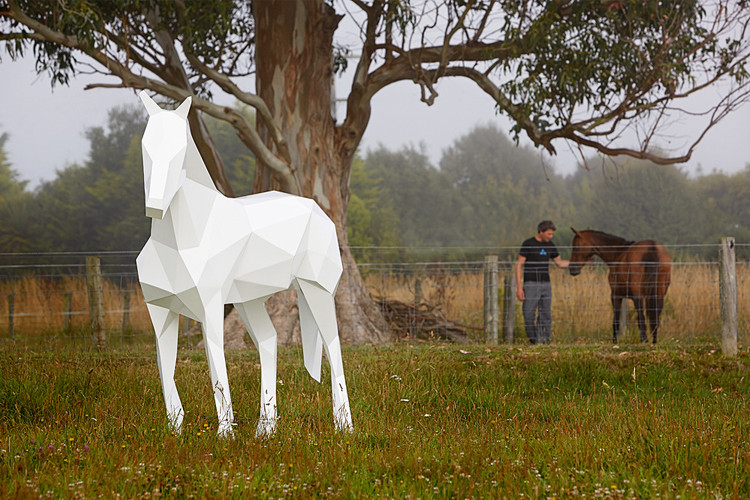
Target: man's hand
x: 519, y: 278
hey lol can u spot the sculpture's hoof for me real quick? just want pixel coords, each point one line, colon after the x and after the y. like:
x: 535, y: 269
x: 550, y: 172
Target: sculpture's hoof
x: 344, y: 423
x: 266, y: 428
x: 175, y: 425
x: 342, y: 419
x: 226, y: 431
x: 346, y: 427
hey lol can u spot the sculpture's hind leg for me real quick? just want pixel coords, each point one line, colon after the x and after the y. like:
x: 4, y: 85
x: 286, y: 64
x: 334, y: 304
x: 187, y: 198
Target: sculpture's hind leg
x: 318, y: 303
x: 213, y: 338
x: 166, y: 325
x: 261, y: 330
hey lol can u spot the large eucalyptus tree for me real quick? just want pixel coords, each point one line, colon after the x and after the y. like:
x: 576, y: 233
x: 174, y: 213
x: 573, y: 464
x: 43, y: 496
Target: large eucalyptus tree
x: 582, y: 71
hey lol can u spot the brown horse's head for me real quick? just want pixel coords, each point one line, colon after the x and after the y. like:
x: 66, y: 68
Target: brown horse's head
x: 582, y: 254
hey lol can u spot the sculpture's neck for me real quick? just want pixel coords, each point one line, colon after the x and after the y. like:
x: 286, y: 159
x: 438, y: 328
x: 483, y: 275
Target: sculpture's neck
x: 195, y: 168
x: 189, y: 209
x: 188, y: 216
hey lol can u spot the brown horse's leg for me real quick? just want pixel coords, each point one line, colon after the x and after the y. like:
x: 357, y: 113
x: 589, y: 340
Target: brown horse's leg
x: 616, y: 305
x: 655, y: 305
x: 638, y: 303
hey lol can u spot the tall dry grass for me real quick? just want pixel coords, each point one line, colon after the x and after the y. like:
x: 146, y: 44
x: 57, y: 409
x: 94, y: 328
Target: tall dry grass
x: 581, y: 306
x: 61, y: 306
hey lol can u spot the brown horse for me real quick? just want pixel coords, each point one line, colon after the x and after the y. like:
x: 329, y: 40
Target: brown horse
x: 638, y: 270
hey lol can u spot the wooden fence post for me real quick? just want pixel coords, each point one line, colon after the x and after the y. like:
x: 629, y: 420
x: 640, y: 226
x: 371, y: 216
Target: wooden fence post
x: 490, y: 299
x: 509, y: 307
x: 67, y: 315
x: 96, y: 300
x: 728, y: 297
x: 12, y: 314
x: 417, y: 291
x: 125, y: 311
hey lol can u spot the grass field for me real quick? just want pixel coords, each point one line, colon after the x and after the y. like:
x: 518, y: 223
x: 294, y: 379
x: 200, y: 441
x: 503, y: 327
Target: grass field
x: 431, y: 420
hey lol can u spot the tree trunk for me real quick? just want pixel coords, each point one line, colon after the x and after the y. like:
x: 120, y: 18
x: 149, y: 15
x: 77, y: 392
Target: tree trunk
x: 294, y: 71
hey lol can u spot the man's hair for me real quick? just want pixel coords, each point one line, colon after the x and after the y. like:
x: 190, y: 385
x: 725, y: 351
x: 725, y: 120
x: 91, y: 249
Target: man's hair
x: 545, y: 225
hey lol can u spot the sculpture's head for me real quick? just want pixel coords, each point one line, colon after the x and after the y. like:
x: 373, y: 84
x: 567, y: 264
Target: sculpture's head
x: 164, y: 147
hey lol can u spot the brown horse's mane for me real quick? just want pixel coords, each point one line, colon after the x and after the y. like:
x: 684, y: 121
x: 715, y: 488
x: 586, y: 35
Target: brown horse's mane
x: 610, y: 239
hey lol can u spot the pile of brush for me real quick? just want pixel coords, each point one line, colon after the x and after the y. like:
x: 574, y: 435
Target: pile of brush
x: 422, y: 321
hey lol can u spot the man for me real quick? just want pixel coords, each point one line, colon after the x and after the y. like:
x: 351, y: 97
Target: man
x: 536, y: 291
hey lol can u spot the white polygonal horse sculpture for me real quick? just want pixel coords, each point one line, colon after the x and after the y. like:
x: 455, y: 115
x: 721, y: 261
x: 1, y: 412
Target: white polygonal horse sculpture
x: 207, y: 250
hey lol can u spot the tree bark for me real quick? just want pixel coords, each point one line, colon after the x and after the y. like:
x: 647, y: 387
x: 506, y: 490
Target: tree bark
x: 294, y: 72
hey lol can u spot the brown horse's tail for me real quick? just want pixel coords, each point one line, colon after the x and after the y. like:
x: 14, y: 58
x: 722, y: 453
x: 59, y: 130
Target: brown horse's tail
x: 657, y: 266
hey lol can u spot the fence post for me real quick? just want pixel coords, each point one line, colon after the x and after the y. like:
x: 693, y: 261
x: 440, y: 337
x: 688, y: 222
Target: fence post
x: 490, y: 299
x: 728, y: 297
x: 96, y: 300
x: 125, y: 311
x: 509, y: 308
x: 417, y: 291
x: 11, y: 315
x: 68, y: 299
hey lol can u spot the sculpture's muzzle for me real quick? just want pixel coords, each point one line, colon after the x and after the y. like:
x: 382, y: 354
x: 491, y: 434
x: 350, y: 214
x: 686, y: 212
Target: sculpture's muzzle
x: 154, y: 212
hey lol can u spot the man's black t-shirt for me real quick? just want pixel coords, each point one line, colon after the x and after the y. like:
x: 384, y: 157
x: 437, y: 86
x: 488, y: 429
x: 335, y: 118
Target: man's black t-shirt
x: 538, y: 255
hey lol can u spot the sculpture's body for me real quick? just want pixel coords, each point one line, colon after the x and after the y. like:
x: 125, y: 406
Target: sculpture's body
x: 207, y: 250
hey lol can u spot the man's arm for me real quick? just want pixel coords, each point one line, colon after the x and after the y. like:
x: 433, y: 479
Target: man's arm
x: 519, y: 278
x: 559, y: 262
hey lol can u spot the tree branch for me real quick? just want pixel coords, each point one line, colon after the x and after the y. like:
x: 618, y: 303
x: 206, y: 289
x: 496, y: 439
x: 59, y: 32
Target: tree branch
x: 250, y: 99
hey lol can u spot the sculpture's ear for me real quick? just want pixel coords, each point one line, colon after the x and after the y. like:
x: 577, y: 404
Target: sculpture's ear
x: 151, y: 106
x: 182, y: 110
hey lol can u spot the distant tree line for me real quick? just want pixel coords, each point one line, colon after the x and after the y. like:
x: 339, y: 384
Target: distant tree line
x: 99, y: 205
x: 486, y: 193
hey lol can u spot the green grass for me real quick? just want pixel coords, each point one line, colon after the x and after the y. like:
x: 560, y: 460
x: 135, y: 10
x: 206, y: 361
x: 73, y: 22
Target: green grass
x: 431, y: 420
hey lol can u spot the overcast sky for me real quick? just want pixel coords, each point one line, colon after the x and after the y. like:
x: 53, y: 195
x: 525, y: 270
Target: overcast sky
x: 46, y: 127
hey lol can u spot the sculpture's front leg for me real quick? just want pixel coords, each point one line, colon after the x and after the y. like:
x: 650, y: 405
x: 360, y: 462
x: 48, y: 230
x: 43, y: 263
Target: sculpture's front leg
x: 166, y: 325
x: 213, y: 338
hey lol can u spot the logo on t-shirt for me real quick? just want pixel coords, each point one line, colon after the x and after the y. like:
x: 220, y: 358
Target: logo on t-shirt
x: 543, y: 252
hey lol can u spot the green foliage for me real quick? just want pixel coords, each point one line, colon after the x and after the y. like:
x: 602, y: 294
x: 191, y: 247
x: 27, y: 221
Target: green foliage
x: 423, y: 199
x: 431, y: 421
x: 505, y: 190
x: 217, y: 33
x: 371, y: 218
x: 599, y: 55
x: 487, y: 195
x: 637, y: 199
x: 15, y: 207
x: 98, y: 206
x: 10, y: 184
x: 724, y: 199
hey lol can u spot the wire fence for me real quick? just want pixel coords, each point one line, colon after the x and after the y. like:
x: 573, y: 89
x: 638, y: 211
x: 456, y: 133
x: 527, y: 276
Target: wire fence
x: 44, y: 302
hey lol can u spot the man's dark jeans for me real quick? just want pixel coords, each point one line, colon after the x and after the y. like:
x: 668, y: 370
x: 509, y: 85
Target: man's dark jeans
x: 537, y: 311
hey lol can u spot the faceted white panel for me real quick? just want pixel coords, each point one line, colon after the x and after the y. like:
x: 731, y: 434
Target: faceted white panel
x: 207, y: 250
